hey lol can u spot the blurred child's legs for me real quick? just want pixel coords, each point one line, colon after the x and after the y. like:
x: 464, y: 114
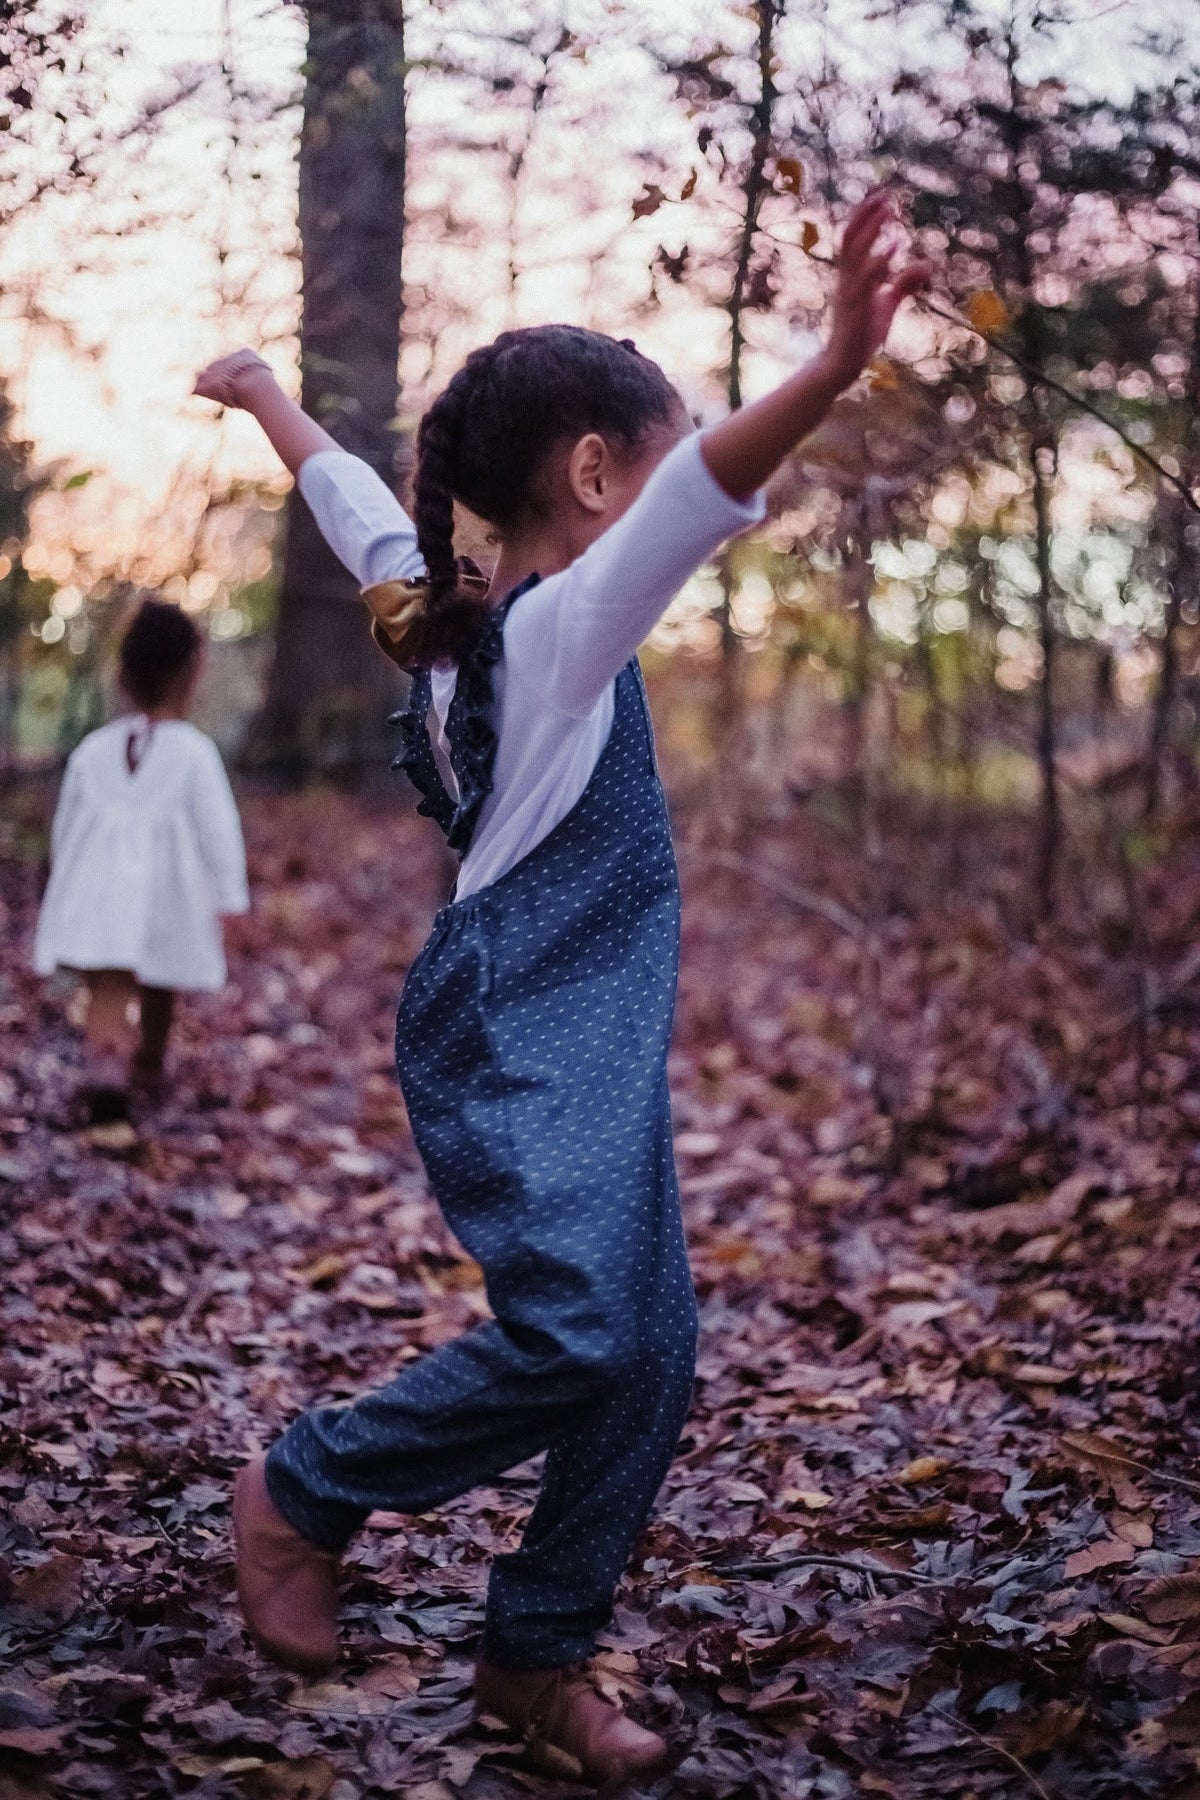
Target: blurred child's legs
x: 112, y: 1000
x: 157, y: 1012
x: 126, y: 1029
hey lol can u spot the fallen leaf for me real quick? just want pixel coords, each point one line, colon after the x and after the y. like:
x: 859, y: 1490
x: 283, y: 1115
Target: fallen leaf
x: 987, y: 312
x: 812, y: 1499
x: 1135, y: 1528
x: 120, y: 1135
x: 1137, y: 1628
x: 298, y: 1778
x: 790, y: 171
x: 648, y: 201
x: 1103, y: 1554
x: 33, y: 1740
x: 922, y: 1468
x: 1171, y: 1599
x: 1041, y: 1375
x: 54, y: 1586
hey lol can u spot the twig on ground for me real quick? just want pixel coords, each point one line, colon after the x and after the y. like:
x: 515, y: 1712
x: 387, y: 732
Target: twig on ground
x: 994, y: 1745
x: 780, y: 1565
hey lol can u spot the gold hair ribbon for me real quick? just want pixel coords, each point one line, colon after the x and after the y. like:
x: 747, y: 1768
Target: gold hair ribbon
x: 396, y: 606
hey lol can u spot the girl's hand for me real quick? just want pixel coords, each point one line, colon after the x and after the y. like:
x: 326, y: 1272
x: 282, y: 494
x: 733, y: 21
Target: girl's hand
x: 230, y: 379
x: 869, y: 288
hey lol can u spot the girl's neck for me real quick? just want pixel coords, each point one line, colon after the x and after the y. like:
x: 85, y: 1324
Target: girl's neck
x: 545, y: 550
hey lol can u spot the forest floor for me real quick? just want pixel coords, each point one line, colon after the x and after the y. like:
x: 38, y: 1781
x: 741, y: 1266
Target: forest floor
x: 934, y: 1526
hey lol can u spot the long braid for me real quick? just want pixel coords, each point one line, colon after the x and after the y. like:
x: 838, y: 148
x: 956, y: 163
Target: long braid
x: 433, y: 490
x: 453, y: 618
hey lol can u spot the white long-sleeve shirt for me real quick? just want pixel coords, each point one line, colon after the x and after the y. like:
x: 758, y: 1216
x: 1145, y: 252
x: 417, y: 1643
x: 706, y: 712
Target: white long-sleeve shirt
x: 565, y: 641
x: 143, y: 861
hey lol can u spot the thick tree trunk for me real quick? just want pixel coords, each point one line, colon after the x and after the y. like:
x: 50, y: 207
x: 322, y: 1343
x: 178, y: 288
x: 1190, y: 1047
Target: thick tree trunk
x: 329, y: 689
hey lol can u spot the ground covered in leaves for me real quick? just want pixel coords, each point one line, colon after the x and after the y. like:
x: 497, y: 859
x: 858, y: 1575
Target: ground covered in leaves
x: 934, y: 1527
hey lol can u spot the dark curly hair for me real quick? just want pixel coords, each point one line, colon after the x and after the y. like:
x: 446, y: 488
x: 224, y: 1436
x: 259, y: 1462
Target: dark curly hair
x: 159, y: 649
x: 486, y: 439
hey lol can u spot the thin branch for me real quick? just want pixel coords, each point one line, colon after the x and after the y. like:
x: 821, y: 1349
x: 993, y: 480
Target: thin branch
x: 802, y: 898
x: 1072, y: 397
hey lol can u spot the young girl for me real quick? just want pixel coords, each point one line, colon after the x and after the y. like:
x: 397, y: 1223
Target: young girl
x: 146, y: 855
x: 533, y: 1028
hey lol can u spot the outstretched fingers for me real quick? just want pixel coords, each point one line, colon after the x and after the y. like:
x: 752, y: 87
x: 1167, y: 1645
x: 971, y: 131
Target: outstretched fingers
x: 911, y: 279
x: 908, y: 280
x: 865, y: 223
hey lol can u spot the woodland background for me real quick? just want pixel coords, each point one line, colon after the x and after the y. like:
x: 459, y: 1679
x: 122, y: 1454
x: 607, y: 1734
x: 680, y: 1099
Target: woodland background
x: 931, y: 741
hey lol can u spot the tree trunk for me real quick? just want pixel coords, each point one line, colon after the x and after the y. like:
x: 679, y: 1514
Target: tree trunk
x: 754, y: 189
x: 329, y: 690
x: 1017, y: 128
x: 1182, y: 583
x: 1168, y: 667
x: 1050, y: 810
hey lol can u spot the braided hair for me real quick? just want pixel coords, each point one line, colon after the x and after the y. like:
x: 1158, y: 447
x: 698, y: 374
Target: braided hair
x: 486, y: 440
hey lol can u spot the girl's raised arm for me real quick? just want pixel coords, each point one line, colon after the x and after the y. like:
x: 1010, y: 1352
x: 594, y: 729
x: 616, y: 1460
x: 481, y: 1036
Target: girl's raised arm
x: 744, y: 450
x: 575, y: 632
x: 244, y: 380
x: 358, y: 515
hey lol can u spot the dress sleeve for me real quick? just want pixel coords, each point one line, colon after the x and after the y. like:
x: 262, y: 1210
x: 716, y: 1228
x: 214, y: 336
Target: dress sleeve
x: 574, y: 632
x: 220, y: 831
x: 360, y: 518
x: 69, y: 796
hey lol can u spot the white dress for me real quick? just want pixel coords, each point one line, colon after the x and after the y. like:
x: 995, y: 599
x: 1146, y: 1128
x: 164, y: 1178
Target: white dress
x: 143, y: 862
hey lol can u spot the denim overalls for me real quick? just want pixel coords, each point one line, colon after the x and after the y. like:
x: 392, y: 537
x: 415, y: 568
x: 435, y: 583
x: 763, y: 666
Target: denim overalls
x: 531, y: 1044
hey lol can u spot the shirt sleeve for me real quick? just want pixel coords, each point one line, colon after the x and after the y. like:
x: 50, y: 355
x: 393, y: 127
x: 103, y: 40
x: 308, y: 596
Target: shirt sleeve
x: 220, y: 832
x: 574, y: 632
x: 360, y: 518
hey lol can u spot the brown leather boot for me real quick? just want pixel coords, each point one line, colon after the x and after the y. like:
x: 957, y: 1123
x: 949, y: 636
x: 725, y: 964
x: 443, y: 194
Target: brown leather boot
x: 570, y: 1728
x: 287, y: 1587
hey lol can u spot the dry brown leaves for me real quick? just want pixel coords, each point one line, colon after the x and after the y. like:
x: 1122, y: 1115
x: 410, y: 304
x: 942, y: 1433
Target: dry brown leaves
x: 933, y: 1528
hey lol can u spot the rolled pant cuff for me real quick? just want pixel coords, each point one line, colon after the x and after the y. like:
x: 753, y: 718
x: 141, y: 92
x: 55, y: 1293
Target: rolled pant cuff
x: 327, y: 1523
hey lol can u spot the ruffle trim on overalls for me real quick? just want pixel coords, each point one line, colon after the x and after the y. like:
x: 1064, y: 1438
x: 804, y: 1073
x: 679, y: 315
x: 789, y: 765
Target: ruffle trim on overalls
x: 470, y: 734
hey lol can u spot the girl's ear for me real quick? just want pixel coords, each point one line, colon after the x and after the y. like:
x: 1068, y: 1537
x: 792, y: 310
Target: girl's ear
x: 589, y: 472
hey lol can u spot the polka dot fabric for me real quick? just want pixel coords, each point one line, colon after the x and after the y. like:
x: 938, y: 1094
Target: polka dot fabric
x: 531, y: 1044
